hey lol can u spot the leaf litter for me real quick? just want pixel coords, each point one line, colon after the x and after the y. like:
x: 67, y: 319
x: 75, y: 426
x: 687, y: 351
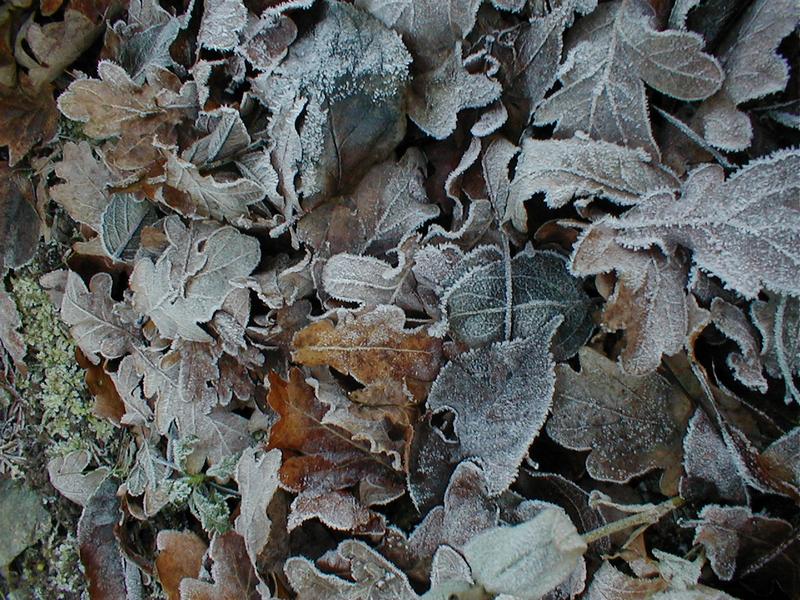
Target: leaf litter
x: 405, y: 300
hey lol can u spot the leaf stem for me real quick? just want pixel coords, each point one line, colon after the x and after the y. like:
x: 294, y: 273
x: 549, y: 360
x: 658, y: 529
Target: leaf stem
x: 643, y: 518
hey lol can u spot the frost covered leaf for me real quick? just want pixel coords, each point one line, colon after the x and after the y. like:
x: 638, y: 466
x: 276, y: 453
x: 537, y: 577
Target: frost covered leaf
x: 711, y: 470
x: 180, y: 556
x: 222, y: 21
x: 127, y: 382
x: 648, y: 301
x: 121, y: 225
x: 370, y: 346
x: 782, y: 457
x: 568, y: 169
x: 778, y: 322
x: 370, y: 576
x: 23, y: 519
x: 94, y: 318
x: 319, y: 458
x: 28, y: 115
x: 227, y: 136
x: 500, y: 396
x: 528, y: 560
x: 192, y: 277
x: 11, y: 341
x: 609, y: 583
x: 68, y: 477
x: 541, y: 288
x: 439, y: 95
x: 746, y: 366
x: 20, y: 226
x: 257, y: 477
x: 612, y: 53
x: 753, y: 69
x: 233, y: 576
x: 203, y: 196
x: 84, y: 194
x: 734, y: 537
x: 349, y: 76
x: 745, y: 229
x: 630, y: 424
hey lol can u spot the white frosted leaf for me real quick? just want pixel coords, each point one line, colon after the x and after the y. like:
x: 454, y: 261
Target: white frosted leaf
x: 500, y: 395
x: 579, y: 167
x: 611, y: 584
x: 257, y: 477
x: 612, y: 53
x: 778, y: 322
x: 745, y: 230
x: 222, y: 21
x: 542, y: 288
x: 226, y: 137
x: 84, y: 194
x: 445, y: 91
x: 526, y: 560
x: 449, y: 565
x: 746, y: 365
x: 680, y: 12
x: 121, y: 225
x: 191, y: 279
x: 631, y: 424
x: 67, y: 476
x: 372, y: 575
x: 127, y: 382
x: 495, y: 162
x: 753, y: 69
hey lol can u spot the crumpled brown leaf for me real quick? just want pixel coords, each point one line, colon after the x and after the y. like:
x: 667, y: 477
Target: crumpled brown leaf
x: 28, y: 115
x: 233, y: 576
x: 180, y: 556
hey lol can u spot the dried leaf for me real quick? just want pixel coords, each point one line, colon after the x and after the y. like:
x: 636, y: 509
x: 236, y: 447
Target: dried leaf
x: 440, y: 94
x: 526, y: 560
x: 778, y: 322
x: 372, y: 577
x: 611, y: 584
x: 180, y: 556
x: 84, y: 195
x: 477, y: 305
x: 121, y: 225
x: 732, y: 322
x: 11, y: 341
x: 234, y: 578
x: 20, y: 226
x: 258, y: 479
x: 68, y: 477
x: 569, y: 169
x: 127, y: 382
x: 499, y: 396
x: 744, y: 229
x: 222, y: 21
x: 630, y: 424
x: 192, y: 277
x: 612, y: 53
x: 753, y: 69
x: 28, y: 116
x: 23, y: 519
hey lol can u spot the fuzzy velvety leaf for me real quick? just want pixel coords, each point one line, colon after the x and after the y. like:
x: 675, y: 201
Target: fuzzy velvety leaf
x: 227, y: 136
x: 257, y: 477
x: 192, y: 277
x: 753, y: 69
x: 612, y: 52
x: 609, y: 583
x: 744, y: 229
x: 19, y: 224
x: 630, y: 424
x: 370, y: 346
x: 94, y: 317
x: 372, y: 576
x: 180, y: 556
x: 541, y: 288
x: 778, y: 322
x: 28, y: 115
x: 499, y: 396
x: 121, y: 225
x: 568, y: 169
x: 648, y: 301
x: 233, y: 576
x: 527, y: 560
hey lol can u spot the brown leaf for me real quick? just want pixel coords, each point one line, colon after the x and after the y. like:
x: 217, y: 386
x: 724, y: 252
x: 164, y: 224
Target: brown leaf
x: 84, y: 193
x: 630, y: 424
x: 180, y: 556
x: 371, y: 347
x: 19, y: 223
x: 234, y: 578
x: 28, y: 116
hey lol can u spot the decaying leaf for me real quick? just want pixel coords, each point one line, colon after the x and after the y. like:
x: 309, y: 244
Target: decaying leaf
x: 20, y: 226
x: 11, y: 341
x: 68, y: 477
x: 121, y: 225
x: 191, y: 279
x: 84, y: 193
x: 233, y: 576
x: 631, y: 424
x: 743, y: 230
x: 180, y: 556
x: 478, y: 308
x: 732, y: 322
x: 28, y: 115
x: 611, y: 54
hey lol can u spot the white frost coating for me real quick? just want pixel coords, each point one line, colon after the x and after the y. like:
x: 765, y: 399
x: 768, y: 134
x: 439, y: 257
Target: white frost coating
x: 778, y: 322
x: 527, y: 560
x: 257, y: 477
x: 221, y: 24
x: 746, y: 365
x: 745, y: 230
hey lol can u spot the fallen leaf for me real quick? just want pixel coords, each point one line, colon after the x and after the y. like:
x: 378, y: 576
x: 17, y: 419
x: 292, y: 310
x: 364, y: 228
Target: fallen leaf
x: 23, y: 519
x: 180, y: 556
x: 11, y: 341
x: 20, y: 226
x: 257, y: 477
x: 28, y: 116
x: 746, y: 365
x: 778, y: 322
x: 233, y: 576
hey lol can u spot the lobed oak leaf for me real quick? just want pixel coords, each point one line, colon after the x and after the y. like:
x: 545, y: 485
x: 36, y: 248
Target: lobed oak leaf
x: 192, y: 277
x: 499, y: 396
x: 743, y: 230
x: 612, y: 53
x: 67, y: 475
x: 370, y: 346
x: 28, y: 116
x: 84, y: 193
x: 233, y: 575
x: 778, y: 322
x: 631, y: 424
x: 180, y: 556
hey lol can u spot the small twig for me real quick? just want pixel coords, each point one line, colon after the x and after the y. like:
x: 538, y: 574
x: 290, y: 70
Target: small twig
x: 643, y: 518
